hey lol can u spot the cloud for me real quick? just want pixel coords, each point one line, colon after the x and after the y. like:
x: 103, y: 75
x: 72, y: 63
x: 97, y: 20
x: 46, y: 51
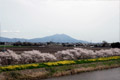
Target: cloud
x: 7, y: 31
x: 17, y: 31
x: 4, y: 31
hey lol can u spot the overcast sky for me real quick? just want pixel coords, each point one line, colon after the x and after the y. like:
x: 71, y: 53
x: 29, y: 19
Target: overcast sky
x: 90, y: 20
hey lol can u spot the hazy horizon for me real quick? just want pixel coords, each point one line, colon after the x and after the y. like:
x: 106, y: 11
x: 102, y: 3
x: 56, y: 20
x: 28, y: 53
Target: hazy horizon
x: 94, y: 20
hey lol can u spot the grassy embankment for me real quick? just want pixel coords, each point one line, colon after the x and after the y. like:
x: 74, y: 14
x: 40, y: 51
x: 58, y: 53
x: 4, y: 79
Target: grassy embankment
x: 59, y: 68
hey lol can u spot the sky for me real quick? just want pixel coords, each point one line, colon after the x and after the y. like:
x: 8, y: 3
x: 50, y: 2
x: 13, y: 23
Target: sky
x: 89, y: 20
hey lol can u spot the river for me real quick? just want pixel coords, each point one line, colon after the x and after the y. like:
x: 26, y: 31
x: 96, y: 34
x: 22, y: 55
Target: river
x: 110, y: 74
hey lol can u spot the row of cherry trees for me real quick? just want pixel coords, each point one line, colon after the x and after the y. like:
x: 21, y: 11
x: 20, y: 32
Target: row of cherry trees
x: 10, y: 57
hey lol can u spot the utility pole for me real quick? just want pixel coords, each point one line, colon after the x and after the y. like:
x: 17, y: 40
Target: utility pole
x: 1, y: 39
x: 0, y: 33
x: 119, y: 21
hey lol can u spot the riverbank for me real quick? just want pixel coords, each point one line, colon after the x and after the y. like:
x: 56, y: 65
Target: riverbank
x: 57, y: 71
x: 106, y: 74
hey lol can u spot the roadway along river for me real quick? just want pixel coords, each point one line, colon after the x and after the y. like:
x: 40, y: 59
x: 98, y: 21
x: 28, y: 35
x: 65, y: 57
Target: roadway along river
x: 110, y: 74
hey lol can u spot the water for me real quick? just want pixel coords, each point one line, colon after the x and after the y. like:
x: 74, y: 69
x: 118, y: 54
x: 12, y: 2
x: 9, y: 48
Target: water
x: 110, y: 74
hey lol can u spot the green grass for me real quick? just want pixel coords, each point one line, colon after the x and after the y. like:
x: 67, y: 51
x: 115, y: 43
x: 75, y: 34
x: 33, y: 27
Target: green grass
x: 60, y: 63
x: 9, y: 46
x: 1, y: 46
x: 54, y: 71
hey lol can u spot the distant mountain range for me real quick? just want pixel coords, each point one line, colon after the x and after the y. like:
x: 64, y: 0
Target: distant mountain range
x: 62, y: 38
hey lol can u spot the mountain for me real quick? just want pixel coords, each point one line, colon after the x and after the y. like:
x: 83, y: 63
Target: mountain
x: 4, y: 39
x: 54, y: 38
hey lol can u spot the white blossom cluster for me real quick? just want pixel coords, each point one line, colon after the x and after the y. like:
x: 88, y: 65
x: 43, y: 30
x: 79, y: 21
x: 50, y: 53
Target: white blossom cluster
x: 10, y: 57
x: 80, y: 53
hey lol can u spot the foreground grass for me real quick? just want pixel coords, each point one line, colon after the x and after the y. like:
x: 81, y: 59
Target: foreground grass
x: 54, y: 64
x: 39, y: 71
x: 56, y: 71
